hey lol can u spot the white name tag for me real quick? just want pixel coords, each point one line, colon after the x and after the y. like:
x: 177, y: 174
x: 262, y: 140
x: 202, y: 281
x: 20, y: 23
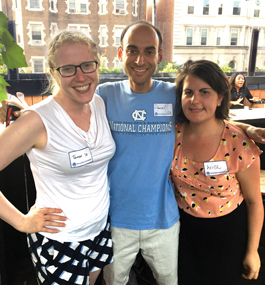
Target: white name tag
x: 215, y: 168
x: 163, y: 110
x: 80, y: 157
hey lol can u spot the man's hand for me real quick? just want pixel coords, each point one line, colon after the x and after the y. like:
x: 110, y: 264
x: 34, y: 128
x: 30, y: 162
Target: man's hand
x: 38, y: 220
x: 256, y: 134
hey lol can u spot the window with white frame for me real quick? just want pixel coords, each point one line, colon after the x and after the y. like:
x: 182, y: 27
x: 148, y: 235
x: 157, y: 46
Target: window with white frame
x: 72, y: 7
x: 38, y: 64
x: 220, y: 9
x: 189, y: 37
x: 117, y: 35
x: 36, y: 33
x: 103, y: 35
x: 191, y: 6
x: 78, y: 6
x: 205, y: 7
x: 134, y: 7
x: 236, y: 8
x: 15, y: 5
x: 117, y: 62
x: 83, y: 6
x: 234, y: 37
x: 256, y: 9
x: 54, y: 29
x: 120, y: 7
x: 104, y: 62
x: 102, y: 7
x: 204, y: 37
x: 218, y: 37
x: 35, y: 4
x: 53, y: 6
x: 82, y: 28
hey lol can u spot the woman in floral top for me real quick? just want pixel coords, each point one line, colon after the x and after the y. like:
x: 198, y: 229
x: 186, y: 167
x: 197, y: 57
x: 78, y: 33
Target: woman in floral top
x: 215, y: 171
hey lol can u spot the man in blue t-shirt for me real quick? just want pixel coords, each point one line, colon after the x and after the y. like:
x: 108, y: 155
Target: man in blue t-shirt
x: 141, y: 113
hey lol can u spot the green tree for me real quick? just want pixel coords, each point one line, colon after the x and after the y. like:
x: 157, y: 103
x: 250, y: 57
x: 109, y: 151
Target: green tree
x: 11, y: 54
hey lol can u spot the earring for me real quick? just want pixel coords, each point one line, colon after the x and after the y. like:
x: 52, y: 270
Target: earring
x: 219, y: 104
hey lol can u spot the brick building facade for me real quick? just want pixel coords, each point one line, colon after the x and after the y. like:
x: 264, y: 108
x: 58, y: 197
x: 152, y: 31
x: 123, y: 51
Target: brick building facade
x: 37, y: 20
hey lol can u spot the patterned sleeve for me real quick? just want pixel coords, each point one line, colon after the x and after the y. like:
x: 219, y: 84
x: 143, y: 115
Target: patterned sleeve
x: 248, y: 151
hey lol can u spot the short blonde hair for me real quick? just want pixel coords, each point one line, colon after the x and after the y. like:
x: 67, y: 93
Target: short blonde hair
x: 59, y: 40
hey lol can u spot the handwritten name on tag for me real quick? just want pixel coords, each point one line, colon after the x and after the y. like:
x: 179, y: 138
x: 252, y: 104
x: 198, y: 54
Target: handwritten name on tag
x: 163, y: 109
x: 215, y: 168
x: 80, y: 157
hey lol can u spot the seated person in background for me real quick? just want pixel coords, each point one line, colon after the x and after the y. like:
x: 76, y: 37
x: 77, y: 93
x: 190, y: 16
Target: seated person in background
x: 215, y: 171
x: 240, y: 91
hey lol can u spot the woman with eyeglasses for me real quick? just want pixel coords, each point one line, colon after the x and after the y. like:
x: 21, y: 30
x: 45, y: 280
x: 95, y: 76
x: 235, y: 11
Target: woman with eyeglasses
x: 69, y: 145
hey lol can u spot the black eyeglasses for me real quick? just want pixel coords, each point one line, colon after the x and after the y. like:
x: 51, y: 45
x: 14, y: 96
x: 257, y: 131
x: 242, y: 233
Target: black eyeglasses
x: 70, y: 70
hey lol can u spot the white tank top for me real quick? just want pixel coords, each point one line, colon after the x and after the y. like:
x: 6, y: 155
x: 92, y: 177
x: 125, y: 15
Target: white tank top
x: 70, y: 173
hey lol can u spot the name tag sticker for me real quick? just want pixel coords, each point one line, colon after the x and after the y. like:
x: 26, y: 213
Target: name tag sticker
x: 163, y: 109
x: 80, y: 157
x: 215, y: 168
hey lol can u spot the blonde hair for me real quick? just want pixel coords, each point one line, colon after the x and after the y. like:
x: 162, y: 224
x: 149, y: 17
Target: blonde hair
x: 59, y: 40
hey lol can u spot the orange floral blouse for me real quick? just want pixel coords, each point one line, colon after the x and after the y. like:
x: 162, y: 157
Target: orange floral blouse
x: 215, y: 195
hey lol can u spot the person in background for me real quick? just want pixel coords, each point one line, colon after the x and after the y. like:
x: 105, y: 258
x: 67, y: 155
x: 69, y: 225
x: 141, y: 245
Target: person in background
x: 69, y: 144
x: 240, y: 91
x: 216, y: 173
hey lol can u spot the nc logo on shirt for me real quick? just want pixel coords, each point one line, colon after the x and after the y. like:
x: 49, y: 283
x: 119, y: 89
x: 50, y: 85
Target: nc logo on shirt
x: 138, y: 115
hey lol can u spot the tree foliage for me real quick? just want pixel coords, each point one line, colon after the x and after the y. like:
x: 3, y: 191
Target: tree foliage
x: 11, y: 54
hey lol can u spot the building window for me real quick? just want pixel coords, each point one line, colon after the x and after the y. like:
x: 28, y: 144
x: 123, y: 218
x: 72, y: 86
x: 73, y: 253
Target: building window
x: 220, y: 9
x: 204, y: 37
x: 35, y: 4
x: 104, y: 62
x: 205, y: 7
x: 103, y: 36
x: 134, y: 7
x: 256, y: 9
x: 82, y: 28
x: 54, y: 29
x: 38, y: 66
x: 118, y: 32
x: 218, y: 37
x: 72, y: 8
x: 120, y: 7
x: 83, y: 6
x: 191, y: 7
x: 234, y: 37
x: 36, y: 33
x: 189, y: 37
x: 116, y: 63
x: 102, y: 7
x: 236, y: 8
x: 232, y: 64
x: 53, y: 6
